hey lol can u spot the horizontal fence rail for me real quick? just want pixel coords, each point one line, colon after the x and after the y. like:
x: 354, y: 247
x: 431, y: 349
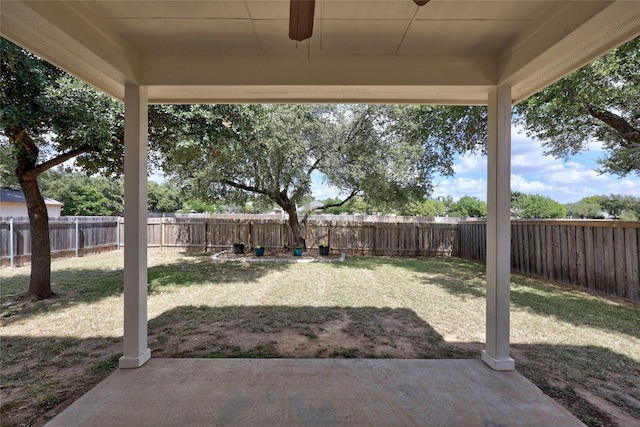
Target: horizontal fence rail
x: 77, y: 236
x: 599, y: 256
x: 70, y: 236
x: 403, y: 237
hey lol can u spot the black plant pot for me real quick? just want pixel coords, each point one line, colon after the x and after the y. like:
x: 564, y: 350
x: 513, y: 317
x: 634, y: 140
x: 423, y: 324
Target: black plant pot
x: 238, y: 248
x: 324, y: 250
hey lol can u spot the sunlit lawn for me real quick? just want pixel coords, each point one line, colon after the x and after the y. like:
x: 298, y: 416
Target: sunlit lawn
x: 564, y: 341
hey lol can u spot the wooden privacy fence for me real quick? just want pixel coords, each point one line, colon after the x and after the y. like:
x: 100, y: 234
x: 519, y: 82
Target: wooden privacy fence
x: 77, y: 236
x: 600, y: 256
x: 404, y: 237
x: 70, y: 236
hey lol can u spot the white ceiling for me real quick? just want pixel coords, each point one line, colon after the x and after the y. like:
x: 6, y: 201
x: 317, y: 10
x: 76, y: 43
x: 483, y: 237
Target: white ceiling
x: 447, y: 51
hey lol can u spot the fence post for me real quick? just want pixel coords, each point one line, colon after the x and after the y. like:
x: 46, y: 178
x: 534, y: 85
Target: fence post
x: 11, y: 254
x: 118, y: 233
x: 206, y: 233
x: 77, y: 237
x: 373, y: 240
x: 162, y: 233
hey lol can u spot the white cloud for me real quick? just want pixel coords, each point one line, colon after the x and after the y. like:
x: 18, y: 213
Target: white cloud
x: 519, y: 183
x: 576, y: 174
x: 470, y: 163
x: 532, y: 172
x: 320, y: 189
x: 460, y: 186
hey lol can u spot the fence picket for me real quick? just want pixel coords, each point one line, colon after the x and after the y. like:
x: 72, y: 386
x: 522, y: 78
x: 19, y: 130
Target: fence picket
x: 600, y: 256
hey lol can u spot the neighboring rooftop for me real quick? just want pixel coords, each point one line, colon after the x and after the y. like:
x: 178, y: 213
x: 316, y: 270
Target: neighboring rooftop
x: 15, y: 195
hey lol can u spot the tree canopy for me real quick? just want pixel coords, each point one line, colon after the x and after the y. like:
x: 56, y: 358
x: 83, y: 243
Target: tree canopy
x: 599, y: 102
x: 468, y: 206
x: 82, y: 195
x: 48, y: 117
x: 586, y: 208
x: 536, y: 206
x: 621, y: 207
x: 614, y: 205
x: 235, y: 152
x: 425, y: 207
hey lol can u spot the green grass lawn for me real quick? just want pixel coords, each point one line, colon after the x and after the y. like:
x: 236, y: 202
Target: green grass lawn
x: 582, y: 350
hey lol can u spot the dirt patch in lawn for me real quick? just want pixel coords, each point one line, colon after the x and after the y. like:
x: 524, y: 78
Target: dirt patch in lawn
x: 329, y: 332
x: 346, y: 333
x: 284, y: 332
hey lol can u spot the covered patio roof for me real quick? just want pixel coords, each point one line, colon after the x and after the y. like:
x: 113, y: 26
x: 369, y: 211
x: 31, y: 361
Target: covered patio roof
x: 480, y: 52
x: 445, y: 52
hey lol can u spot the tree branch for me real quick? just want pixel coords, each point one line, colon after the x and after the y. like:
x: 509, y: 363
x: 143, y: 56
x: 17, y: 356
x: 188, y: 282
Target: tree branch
x: 630, y: 134
x: 63, y: 158
x: 353, y: 194
x: 332, y: 205
x: 248, y: 188
x: 42, y: 167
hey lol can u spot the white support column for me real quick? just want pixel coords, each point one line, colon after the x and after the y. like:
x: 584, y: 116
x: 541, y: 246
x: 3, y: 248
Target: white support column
x: 135, y: 352
x: 496, y: 353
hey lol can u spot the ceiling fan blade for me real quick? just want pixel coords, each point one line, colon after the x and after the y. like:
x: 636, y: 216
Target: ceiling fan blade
x: 301, y: 19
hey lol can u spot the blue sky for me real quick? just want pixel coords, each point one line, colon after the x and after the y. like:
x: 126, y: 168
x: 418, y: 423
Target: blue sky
x: 531, y: 172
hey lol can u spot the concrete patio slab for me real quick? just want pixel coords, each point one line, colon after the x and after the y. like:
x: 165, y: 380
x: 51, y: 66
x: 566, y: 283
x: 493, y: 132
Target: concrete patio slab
x: 314, y: 392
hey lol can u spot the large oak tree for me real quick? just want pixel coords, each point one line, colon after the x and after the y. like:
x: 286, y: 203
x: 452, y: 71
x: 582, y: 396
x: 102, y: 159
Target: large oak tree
x: 48, y: 118
x: 384, y: 154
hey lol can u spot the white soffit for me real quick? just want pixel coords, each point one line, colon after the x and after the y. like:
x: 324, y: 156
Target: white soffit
x: 448, y: 51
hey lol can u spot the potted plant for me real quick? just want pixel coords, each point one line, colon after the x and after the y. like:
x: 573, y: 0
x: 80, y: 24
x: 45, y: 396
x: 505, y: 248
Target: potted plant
x: 259, y: 250
x: 238, y: 248
x: 297, y: 251
x: 324, y: 249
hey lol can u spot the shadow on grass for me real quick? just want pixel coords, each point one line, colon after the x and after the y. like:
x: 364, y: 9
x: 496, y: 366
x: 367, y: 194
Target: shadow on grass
x: 41, y: 376
x: 284, y: 331
x: 573, y: 375
x: 59, y: 369
x: 457, y: 276
x: 467, y: 279
x: 75, y: 286
x: 562, y: 372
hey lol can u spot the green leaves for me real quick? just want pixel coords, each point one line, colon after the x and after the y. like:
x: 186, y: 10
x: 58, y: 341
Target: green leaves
x: 468, y: 206
x: 271, y: 151
x: 614, y: 205
x: 47, y: 114
x: 598, y: 102
x: 536, y: 206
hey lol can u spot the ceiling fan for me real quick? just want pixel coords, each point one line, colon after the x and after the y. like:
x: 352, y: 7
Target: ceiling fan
x: 301, y: 18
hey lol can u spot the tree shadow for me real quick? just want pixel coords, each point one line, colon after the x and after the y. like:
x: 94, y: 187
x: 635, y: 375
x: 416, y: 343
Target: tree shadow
x: 74, y: 286
x: 458, y: 277
x: 467, y: 279
x: 41, y: 376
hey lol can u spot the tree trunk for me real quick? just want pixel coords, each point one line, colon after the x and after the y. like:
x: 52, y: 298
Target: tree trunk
x: 296, y: 227
x: 40, y: 281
